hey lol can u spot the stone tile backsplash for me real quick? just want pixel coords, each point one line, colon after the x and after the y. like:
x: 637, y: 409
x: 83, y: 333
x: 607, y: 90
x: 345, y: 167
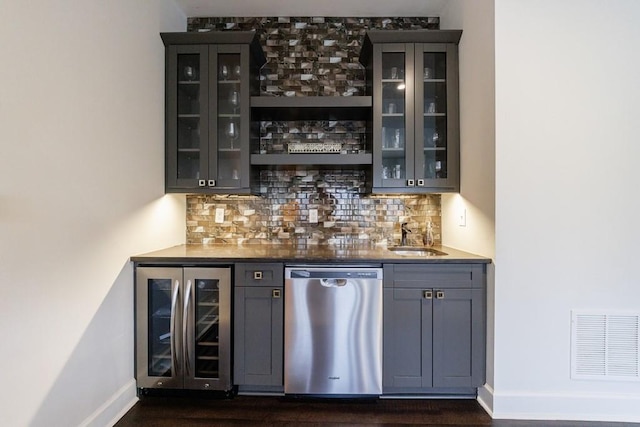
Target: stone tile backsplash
x: 311, y: 56
x: 276, y: 135
x: 280, y: 214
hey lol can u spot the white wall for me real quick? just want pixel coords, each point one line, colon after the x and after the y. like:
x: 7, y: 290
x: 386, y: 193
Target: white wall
x: 567, y: 177
x: 477, y: 129
x: 477, y: 151
x: 81, y: 189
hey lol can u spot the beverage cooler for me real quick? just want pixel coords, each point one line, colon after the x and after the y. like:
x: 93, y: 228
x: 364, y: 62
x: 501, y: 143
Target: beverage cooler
x: 183, y: 328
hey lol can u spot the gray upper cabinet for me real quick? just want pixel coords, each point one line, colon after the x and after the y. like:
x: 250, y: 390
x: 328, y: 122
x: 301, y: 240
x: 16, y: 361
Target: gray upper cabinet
x: 210, y: 78
x: 413, y: 79
x: 434, y: 328
x: 258, y: 327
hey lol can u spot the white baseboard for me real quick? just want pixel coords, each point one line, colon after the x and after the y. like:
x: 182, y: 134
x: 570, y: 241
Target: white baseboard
x: 485, y: 398
x: 114, y: 408
x: 577, y: 407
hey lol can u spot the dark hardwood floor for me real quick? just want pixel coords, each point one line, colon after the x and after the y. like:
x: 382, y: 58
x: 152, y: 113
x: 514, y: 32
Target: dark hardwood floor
x: 280, y: 411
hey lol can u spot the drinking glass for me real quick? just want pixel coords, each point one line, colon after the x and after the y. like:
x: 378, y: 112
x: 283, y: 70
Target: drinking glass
x: 232, y: 132
x: 234, y: 100
x: 189, y: 72
x: 236, y: 72
x: 224, y: 72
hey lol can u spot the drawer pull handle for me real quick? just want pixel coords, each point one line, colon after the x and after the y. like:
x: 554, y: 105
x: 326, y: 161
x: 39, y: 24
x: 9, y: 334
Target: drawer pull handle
x: 428, y: 294
x: 440, y: 294
x: 411, y: 183
x: 420, y: 183
x: 211, y: 183
x: 275, y: 293
x: 202, y: 183
x: 257, y: 275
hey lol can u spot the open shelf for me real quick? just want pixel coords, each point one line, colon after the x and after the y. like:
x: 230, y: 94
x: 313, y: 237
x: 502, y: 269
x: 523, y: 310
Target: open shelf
x: 311, y: 108
x: 311, y: 159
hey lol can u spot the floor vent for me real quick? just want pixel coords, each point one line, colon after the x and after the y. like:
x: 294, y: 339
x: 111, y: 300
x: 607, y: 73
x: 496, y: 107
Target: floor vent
x: 605, y: 346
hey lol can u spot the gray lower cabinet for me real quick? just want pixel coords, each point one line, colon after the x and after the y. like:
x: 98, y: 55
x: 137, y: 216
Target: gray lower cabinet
x: 434, y: 328
x: 258, y: 327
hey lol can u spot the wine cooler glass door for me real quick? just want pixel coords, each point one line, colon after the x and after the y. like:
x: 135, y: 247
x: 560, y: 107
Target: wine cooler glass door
x: 159, y: 352
x: 206, y: 328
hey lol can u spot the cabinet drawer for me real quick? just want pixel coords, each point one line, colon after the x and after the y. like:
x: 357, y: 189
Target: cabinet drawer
x: 257, y: 274
x: 434, y: 275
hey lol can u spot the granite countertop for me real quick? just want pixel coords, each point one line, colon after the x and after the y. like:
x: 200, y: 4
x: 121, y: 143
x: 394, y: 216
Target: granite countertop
x: 299, y: 254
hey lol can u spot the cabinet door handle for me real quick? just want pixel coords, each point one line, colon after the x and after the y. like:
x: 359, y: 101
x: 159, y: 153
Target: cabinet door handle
x: 202, y: 183
x: 211, y: 183
x: 275, y: 293
x: 440, y: 294
x: 257, y: 275
x: 428, y: 294
x: 187, y: 333
x: 175, y: 360
x: 411, y: 183
x: 420, y: 183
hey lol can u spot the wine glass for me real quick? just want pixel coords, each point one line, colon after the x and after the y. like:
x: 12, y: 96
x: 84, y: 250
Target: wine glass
x: 236, y: 72
x: 234, y: 100
x: 224, y: 72
x: 232, y: 132
x: 189, y: 72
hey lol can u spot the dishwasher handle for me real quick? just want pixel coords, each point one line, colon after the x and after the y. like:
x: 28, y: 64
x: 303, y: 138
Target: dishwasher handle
x: 335, y: 273
x: 333, y: 283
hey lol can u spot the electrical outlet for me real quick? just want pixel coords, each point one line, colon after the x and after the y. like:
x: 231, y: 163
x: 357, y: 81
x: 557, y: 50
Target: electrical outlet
x: 219, y: 215
x: 462, y: 218
x: 313, y: 216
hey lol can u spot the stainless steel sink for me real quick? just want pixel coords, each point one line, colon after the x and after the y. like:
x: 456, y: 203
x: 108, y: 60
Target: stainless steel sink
x: 415, y: 251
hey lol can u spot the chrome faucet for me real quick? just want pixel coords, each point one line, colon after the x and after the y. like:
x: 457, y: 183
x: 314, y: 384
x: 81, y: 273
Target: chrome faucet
x: 405, y: 230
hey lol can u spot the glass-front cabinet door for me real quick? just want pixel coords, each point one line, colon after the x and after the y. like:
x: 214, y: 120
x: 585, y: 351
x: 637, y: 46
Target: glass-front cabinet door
x: 210, y: 78
x: 187, y: 116
x: 436, y: 116
x: 396, y: 120
x: 232, y: 117
x: 414, y: 84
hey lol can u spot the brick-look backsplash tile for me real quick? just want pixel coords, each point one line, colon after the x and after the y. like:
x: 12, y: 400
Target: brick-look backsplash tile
x: 311, y: 56
x: 280, y: 214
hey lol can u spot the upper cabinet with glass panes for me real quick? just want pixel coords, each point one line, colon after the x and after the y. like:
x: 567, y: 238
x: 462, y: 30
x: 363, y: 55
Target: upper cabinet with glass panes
x: 210, y: 78
x: 415, y: 121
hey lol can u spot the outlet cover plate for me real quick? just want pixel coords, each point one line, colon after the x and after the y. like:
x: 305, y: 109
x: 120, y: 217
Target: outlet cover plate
x: 219, y: 215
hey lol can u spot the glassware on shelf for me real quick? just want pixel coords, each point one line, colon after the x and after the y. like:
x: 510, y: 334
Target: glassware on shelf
x: 189, y: 72
x: 224, y: 72
x: 237, y: 71
x: 234, y: 100
x: 232, y: 132
x: 435, y: 138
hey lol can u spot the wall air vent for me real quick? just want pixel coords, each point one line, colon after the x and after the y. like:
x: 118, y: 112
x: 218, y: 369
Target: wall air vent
x: 605, y: 346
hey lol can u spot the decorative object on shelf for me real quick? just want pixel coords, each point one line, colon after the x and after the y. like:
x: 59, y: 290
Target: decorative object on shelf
x: 314, y: 147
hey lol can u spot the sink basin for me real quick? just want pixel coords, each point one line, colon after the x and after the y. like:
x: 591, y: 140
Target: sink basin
x: 415, y: 251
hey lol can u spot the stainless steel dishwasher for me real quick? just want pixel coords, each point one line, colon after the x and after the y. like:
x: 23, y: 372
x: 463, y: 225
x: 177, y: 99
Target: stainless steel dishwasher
x: 333, y: 331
